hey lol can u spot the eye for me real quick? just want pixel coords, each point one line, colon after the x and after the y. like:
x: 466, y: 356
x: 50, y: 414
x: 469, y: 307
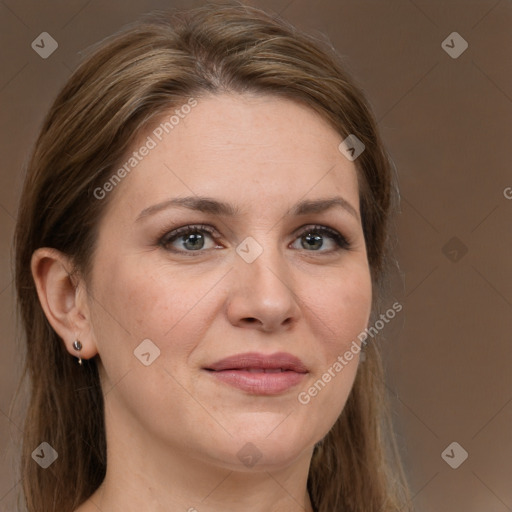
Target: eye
x: 312, y: 239
x: 189, y: 238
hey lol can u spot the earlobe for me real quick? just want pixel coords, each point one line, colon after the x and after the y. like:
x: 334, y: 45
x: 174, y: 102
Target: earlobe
x: 63, y: 301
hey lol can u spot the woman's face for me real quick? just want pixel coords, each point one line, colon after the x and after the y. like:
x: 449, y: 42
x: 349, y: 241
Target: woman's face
x: 258, y: 279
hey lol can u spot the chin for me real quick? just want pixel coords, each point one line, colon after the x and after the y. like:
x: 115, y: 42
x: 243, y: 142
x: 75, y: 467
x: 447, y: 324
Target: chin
x: 266, y: 446
x: 263, y: 457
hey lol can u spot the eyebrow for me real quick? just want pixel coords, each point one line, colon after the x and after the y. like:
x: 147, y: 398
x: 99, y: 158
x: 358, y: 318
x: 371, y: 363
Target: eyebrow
x: 215, y: 207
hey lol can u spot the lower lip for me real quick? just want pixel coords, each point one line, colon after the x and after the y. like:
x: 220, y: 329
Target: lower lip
x: 260, y: 383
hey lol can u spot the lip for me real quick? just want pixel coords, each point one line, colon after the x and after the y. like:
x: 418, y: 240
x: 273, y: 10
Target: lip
x: 260, y: 374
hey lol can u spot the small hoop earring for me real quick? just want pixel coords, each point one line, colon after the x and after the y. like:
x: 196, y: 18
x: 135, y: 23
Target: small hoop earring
x: 77, y: 345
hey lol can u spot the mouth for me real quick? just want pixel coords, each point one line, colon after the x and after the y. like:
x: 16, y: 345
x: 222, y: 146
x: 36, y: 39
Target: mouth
x: 260, y: 374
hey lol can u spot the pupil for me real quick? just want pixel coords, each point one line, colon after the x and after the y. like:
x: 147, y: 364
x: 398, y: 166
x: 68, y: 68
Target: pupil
x: 314, y: 238
x: 195, y: 238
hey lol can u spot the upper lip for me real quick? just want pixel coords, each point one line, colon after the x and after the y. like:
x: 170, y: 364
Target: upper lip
x: 279, y: 360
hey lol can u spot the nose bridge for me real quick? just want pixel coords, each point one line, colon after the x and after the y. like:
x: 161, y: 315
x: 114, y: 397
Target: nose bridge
x: 263, y: 261
x: 264, y: 288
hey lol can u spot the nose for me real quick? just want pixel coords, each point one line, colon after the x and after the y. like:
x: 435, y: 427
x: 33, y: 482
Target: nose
x: 262, y: 294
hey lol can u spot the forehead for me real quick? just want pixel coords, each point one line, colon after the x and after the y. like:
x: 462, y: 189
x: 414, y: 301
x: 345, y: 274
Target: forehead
x: 250, y: 150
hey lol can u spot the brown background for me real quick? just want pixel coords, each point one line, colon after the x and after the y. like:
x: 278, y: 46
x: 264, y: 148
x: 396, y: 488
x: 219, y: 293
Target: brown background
x: 447, y: 124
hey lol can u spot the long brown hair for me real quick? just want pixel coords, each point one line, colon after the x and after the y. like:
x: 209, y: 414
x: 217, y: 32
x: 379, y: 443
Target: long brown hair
x: 130, y: 80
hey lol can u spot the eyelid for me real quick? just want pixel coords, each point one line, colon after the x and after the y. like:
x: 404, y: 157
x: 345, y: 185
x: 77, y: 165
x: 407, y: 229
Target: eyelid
x: 190, y: 227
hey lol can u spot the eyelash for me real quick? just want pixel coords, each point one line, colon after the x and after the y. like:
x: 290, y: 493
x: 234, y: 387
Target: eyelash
x: 340, y: 240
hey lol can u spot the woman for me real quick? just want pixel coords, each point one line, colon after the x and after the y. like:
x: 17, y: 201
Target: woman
x: 203, y: 229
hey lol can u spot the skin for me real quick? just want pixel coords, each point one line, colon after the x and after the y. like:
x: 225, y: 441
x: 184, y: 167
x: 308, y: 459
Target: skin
x: 173, y: 429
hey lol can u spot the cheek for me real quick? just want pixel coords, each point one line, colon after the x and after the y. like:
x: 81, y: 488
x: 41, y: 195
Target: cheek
x: 340, y: 306
x: 169, y: 308
x: 137, y: 302
x: 339, y: 312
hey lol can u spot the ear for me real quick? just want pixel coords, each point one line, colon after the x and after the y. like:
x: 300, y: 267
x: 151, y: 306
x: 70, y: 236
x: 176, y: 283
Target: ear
x: 64, y: 300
